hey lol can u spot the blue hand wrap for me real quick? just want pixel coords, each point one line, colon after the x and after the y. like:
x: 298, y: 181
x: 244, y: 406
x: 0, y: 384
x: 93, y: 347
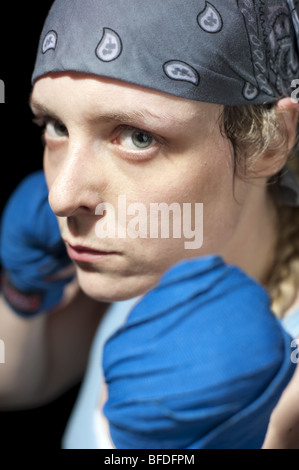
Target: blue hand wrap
x: 200, y: 362
x: 31, y: 249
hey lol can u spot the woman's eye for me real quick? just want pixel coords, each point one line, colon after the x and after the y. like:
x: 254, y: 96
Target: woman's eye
x: 135, y: 139
x: 56, y: 129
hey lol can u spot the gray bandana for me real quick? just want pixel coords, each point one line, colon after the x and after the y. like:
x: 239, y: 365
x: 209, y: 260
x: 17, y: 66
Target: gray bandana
x: 235, y: 52
x: 228, y: 52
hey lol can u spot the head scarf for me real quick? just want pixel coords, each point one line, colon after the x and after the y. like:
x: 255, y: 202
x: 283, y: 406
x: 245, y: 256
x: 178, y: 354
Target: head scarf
x: 232, y: 53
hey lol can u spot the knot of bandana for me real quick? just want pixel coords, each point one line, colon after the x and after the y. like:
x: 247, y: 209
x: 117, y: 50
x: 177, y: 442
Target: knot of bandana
x: 233, y: 53
x: 199, y: 363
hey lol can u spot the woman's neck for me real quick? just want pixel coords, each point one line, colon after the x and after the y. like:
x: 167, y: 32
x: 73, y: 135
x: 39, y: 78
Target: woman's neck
x: 252, y: 247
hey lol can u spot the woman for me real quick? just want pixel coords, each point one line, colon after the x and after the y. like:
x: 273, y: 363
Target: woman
x: 136, y: 113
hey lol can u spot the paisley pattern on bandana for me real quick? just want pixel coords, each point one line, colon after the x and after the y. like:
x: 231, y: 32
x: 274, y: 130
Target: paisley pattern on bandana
x: 210, y: 19
x: 49, y: 42
x: 274, y: 57
x: 177, y: 70
x: 110, y: 46
x: 244, y: 53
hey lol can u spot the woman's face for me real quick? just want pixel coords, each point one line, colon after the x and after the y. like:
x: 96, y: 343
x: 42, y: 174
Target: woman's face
x: 109, y: 145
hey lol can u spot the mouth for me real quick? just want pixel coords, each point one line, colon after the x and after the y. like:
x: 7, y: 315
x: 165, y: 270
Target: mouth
x: 87, y: 255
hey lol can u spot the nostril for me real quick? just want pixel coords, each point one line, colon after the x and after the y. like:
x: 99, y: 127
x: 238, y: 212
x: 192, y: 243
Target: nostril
x: 81, y: 223
x: 84, y: 208
x: 81, y: 211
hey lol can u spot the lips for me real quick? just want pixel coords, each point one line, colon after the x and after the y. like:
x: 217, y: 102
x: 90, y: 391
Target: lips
x: 87, y: 255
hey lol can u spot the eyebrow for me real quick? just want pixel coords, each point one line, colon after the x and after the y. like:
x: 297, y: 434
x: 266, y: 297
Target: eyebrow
x: 40, y: 109
x: 134, y: 116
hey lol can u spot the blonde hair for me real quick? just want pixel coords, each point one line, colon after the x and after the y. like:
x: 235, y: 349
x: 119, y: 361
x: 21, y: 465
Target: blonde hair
x: 253, y: 130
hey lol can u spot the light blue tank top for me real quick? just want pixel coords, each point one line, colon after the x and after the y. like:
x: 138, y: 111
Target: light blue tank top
x: 81, y: 431
x: 291, y: 323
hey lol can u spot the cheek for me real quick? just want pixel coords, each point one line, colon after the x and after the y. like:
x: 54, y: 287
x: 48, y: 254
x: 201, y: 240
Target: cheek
x: 224, y: 201
x: 53, y: 163
x: 208, y: 183
x: 62, y: 224
x: 208, y: 178
x: 50, y: 170
x: 205, y: 176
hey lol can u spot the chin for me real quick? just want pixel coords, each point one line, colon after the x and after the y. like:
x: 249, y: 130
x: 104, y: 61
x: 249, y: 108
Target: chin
x: 108, y: 288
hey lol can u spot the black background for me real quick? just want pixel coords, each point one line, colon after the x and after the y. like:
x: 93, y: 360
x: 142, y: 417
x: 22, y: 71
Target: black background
x: 21, y: 149
x: 21, y: 153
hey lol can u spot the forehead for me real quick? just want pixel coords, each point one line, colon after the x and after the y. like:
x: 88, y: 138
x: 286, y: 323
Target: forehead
x: 90, y: 95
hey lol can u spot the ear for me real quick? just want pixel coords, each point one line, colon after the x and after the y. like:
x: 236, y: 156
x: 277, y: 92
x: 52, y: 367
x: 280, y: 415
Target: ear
x: 288, y: 110
x: 273, y: 161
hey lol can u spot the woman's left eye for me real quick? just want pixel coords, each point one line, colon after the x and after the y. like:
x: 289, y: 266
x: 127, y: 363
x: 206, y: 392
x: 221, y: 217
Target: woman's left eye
x: 135, y: 139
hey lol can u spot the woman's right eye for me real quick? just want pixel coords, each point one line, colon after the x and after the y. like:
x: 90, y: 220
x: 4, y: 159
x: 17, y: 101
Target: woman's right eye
x: 51, y: 128
x: 55, y: 129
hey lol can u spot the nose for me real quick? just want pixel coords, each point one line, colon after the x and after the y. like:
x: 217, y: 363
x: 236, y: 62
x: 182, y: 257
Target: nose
x: 78, y: 183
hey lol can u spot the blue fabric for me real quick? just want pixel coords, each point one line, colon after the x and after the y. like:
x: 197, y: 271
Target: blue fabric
x: 31, y: 248
x: 200, y: 362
